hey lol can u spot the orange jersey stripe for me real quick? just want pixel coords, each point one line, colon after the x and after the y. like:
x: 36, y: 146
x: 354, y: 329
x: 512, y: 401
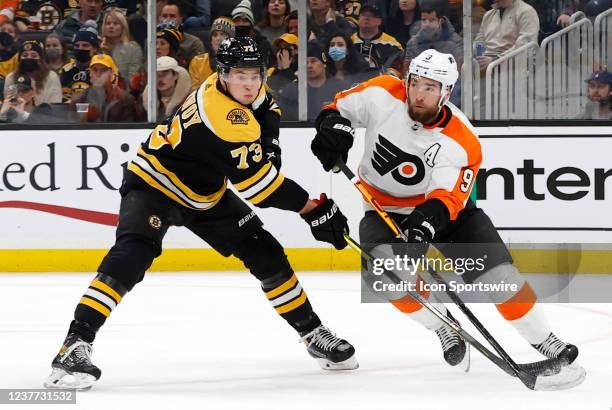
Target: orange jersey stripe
x: 392, y: 85
x: 518, y: 305
x: 462, y: 135
x: 385, y: 199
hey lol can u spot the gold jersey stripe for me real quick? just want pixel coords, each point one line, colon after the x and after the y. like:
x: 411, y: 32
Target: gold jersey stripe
x: 282, y: 288
x: 269, y: 190
x: 95, y: 305
x: 106, y: 289
x: 292, y: 305
x: 177, y: 182
x: 241, y: 186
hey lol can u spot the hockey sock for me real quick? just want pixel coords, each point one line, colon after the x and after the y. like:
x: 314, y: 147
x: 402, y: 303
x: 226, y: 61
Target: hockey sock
x: 518, y: 307
x: 416, y: 311
x: 290, y: 302
x: 527, y: 317
x: 102, y: 296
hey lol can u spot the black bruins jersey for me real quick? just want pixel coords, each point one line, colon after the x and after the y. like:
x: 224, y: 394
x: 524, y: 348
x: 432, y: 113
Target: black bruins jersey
x: 211, y: 138
x: 74, y: 80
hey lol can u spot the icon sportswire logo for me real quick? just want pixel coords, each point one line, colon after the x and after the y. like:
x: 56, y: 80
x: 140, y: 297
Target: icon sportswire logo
x: 405, y: 168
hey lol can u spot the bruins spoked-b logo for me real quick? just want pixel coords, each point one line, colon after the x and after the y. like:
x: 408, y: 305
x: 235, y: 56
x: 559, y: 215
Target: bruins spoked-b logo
x: 407, y: 169
x: 238, y: 116
x: 155, y: 222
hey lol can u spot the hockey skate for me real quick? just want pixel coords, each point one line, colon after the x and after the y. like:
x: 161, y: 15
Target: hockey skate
x: 331, y: 352
x: 72, y: 367
x: 456, y: 351
x: 571, y: 373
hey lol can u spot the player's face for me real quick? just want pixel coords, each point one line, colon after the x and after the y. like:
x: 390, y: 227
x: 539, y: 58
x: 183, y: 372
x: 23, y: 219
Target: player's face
x: 112, y: 27
x: 599, y: 91
x: 243, y: 84
x: 162, y: 47
x: 217, y: 38
x: 423, y: 98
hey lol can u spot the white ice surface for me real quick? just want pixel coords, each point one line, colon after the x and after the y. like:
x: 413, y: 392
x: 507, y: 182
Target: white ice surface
x: 212, y: 341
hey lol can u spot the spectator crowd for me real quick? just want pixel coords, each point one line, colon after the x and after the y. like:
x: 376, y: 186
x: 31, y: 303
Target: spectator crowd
x: 56, y: 54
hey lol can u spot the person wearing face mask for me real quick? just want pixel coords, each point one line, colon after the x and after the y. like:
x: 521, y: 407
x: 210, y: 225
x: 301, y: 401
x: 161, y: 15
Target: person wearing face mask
x: 106, y: 101
x: 45, y: 83
x: 433, y: 31
x: 345, y: 62
x: 56, y: 54
x: 74, y: 75
x: 9, y: 54
x: 204, y: 65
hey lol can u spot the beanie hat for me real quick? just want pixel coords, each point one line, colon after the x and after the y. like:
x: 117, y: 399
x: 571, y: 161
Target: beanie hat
x: 88, y: 33
x: 223, y: 24
x: 171, y: 34
x: 243, y: 9
x: 32, y: 45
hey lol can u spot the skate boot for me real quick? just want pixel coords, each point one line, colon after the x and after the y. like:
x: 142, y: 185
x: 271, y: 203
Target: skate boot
x: 331, y: 352
x: 72, y: 367
x: 553, y: 348
x: 455, y: 351
x: 564, y: 375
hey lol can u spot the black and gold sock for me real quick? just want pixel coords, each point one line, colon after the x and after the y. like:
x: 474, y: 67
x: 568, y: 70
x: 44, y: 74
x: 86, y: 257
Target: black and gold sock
x: 100, y: 299
x: 290, y: 301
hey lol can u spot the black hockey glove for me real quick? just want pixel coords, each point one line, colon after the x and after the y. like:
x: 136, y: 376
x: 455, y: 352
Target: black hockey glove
x: 426, y: 219
x: 333, y: 140
x: 272, y: 150
x: 327, y: 223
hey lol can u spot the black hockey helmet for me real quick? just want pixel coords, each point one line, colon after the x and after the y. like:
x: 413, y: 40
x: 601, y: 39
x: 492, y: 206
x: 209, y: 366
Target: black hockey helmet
x: 240, y: 52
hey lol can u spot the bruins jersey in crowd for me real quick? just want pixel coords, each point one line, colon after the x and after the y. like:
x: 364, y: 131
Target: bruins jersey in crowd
x: 74, y: 79
x: 209, y: 140
x: 381, y: 52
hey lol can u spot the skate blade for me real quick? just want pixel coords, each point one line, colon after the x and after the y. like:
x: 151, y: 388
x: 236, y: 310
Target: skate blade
x: 348, y: 364
x: 570, y: 376
x: 61, y: 379
x: 465, y: 363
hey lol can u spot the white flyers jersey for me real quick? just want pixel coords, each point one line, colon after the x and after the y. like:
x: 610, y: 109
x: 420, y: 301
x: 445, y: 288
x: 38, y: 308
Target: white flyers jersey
x: 405, y: 162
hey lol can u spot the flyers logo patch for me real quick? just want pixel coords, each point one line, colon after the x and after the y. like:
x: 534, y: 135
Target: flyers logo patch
x: 407, y: 169
x: 238, y: 116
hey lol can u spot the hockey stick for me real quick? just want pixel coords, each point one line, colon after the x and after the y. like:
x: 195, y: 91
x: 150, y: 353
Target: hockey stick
x: 527, y: 373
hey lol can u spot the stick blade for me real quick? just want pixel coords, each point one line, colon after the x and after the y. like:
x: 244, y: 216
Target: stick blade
x: 570, y: 376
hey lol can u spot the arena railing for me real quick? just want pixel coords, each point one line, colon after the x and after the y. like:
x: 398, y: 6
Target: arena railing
x: 565, y: 60
x: 603, y: 47
x: 510, y: 85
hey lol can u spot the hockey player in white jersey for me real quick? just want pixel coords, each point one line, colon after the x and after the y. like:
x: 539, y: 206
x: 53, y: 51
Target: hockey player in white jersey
x: 420, y: 162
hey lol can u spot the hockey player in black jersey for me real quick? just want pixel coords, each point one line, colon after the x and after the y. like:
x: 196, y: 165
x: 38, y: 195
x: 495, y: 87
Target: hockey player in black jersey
x: 179, y: 177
